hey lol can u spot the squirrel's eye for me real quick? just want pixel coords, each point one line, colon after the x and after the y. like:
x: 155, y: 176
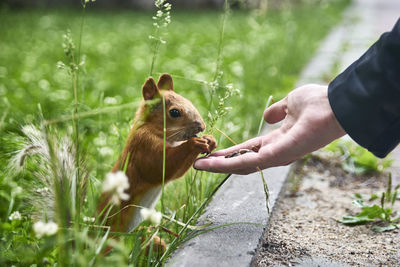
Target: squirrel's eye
x: 174, y: 113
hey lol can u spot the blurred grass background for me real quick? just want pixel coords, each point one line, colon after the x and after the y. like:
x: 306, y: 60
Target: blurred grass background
x: 262, y: 55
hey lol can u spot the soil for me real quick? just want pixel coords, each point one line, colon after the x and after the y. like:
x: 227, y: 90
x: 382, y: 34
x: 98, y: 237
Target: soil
x: 304, y: 223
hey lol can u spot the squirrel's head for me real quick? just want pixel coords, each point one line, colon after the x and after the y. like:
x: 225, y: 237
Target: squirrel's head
x: 183, y: 121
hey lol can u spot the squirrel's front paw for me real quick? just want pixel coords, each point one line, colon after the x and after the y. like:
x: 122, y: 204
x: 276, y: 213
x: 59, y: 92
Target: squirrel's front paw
x: 199, y: 144
x: 203, y: 144
x: 212, y: 143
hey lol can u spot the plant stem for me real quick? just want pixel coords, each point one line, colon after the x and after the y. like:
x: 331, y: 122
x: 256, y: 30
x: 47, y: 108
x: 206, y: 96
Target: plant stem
x: 220, y: 49
x: 266, y: 189
x: 62, y: 208
x: 155, y: 53
x: 91, y: 113
x: 262, y: 118
x: 3, y: 117
x: 224, y: 134
x: 164, y: 155
x: 78, y: 192
x: 221, y: 39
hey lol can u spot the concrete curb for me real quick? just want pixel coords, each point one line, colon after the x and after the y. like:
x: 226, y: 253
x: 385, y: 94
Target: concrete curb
x: 241, y: 202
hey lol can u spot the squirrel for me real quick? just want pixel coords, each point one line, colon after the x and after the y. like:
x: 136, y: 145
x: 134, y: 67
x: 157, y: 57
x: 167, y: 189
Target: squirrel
x: 143, y: 151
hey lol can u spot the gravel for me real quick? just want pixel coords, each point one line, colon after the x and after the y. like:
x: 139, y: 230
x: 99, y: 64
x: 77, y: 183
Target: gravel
x: 304, y: 223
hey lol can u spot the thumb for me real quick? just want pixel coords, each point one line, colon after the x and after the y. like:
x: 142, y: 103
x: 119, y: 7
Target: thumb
x: 276, y: 112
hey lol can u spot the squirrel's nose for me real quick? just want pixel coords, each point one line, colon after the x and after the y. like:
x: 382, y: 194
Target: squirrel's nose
x: 200, y: 125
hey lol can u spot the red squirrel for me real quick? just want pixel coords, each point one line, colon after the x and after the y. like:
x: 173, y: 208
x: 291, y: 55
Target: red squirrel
x: 143, y: 150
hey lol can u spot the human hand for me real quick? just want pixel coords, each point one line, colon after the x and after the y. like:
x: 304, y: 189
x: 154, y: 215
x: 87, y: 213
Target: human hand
x: 308, y: 124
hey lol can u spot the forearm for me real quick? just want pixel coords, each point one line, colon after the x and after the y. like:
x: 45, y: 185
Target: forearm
x: 365, y: 98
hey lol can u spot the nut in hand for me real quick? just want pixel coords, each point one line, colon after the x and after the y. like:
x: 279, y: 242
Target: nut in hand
x: 242, y: 151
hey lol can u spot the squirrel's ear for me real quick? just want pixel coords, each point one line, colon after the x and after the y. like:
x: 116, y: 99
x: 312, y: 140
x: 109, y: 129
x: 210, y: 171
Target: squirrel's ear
x: 150, y: 89
x: 165, y: 82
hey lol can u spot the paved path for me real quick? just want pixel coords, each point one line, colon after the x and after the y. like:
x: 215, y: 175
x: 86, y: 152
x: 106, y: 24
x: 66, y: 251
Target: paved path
x: 364, y: 21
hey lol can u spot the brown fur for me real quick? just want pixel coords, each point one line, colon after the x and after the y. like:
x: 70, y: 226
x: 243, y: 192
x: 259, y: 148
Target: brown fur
x: 145, y: 146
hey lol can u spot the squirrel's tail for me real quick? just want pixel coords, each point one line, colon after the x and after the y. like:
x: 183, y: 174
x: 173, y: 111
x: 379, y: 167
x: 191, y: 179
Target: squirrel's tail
x: 50, y: 159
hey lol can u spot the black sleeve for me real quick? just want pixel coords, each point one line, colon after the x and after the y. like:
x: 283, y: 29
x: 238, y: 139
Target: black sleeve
x: 365, y: 98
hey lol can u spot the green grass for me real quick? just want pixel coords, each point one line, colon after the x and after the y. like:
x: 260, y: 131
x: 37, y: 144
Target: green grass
x: 385, y: 217
x: 261, y: 56
x: 356, y: 159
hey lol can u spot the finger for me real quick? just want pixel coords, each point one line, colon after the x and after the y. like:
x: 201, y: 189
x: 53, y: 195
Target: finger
x: 248, y: 145
x: 276, y: 112
x: 243, y: 164
x: 283, y: 151
x: 256, y: 142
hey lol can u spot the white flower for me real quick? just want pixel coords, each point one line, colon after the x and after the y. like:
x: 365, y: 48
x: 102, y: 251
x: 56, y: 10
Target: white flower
x: 167, y: 6
x: 106, y: 151
x: 110, y: 100
x: 101, y: 139
x: 61, y: 65
x: 89, y: 219
x: 116, y: 183
x: 151, y: 215
x: 42, y: 190
x: 42, y: 228
x: 15, y: 216
x: 159, y: 3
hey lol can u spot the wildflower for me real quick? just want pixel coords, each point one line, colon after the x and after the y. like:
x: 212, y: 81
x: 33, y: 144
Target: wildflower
x: 45, y: 229
x: 42, y: 190
x: 151, y: 215
x: 167, y: 6
x: 89, y: 219
x: 101, y: 140
x: 110, y: 100
x: 60, y: 65
x: 15, y: 216
x: 116, y: 183
x: 106, y: 151
x: 159, y: 3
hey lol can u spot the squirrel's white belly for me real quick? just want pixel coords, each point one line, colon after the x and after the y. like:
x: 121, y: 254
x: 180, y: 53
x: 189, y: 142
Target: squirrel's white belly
x: 149, y: 201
